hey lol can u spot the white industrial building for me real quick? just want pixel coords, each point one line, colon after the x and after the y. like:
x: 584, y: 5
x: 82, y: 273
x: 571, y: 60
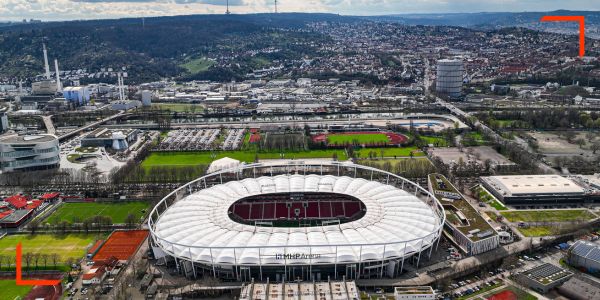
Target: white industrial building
x: 586, y: 255
x: 334, y: 290
x: 29, y: 152
x: 414, y: 293
x: 534, y: 189
x: 449, y: 77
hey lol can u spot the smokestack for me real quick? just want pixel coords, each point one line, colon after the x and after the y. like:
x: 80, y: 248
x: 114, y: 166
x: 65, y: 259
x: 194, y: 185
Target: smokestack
x: 46, y: 62
x: 58, y: 86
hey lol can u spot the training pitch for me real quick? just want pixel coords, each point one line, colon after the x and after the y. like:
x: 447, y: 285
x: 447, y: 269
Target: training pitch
x: 66, y: 246
x: 118, y: 211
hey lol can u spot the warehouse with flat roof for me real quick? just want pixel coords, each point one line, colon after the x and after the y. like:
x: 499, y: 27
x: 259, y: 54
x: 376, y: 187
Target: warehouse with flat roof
x: 535, y: 189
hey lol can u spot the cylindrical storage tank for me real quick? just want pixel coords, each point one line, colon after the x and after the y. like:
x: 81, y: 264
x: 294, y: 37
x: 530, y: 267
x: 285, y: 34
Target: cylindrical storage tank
x: 146, y: 98
x: 449, y: 77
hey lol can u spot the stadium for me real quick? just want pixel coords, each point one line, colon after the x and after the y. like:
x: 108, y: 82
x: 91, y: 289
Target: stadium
x: 297, y: 220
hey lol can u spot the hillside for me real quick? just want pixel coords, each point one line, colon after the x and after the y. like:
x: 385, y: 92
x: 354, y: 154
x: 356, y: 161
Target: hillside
x: 157, y: 47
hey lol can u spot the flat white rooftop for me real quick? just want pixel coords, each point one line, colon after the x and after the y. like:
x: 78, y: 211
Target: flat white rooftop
x: 516, y: 185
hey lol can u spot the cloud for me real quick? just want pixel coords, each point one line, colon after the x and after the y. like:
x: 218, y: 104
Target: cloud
x: 95, y: 9
x: 210, y: 2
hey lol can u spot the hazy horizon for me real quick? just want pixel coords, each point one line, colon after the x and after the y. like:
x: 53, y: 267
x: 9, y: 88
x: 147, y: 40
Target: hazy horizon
x: 64, y: 10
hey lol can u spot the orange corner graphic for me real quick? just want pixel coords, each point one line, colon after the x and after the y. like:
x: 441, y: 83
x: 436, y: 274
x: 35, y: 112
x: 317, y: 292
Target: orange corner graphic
x: 19, y: 278
x: 579, y: 19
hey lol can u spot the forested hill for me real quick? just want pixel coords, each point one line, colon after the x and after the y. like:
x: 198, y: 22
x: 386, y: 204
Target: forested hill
x: 153, y: 47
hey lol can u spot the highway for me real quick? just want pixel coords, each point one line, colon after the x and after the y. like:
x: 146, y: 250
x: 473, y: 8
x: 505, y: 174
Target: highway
x: 89, y: 126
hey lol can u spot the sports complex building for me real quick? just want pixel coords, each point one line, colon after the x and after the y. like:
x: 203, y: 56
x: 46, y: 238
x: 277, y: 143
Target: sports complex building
x: 532, y: 190
x: 309, y: 221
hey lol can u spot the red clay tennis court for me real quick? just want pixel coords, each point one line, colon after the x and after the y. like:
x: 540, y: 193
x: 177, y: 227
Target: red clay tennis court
x: 121, y: 244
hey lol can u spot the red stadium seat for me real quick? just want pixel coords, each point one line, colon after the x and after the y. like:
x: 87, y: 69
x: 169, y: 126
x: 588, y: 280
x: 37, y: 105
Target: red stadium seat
x: 256, y: 213
x: 242, y: 210
x: 325, y: 209
x: 312, y: 211
x: 338, y: 209
x: 281, y: 210
x: 269, y: 211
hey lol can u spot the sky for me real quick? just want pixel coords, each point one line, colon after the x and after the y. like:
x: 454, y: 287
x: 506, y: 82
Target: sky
x: 48, y: 10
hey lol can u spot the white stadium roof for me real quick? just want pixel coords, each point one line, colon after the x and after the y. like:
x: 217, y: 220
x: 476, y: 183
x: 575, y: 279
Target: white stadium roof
x: 199, y: 224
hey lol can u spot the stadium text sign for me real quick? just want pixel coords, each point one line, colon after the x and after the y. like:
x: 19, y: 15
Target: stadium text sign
x: 297, y: 256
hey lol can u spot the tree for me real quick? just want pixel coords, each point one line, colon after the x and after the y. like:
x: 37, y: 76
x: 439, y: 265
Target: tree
x: 33, y: 225
x: 28, y: 258
x: 595, y: 147
x: 45, y: 257
x: 62, y: 226
x: 130, y: 220
x: 54, y: 258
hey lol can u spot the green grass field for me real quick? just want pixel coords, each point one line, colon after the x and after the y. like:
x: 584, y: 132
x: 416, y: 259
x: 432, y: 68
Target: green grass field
x: 342, y: 139
x: 197, y: 65
x: 484, y: 196
x: 10, y: 290
x: 534, y: 231
x: 206, y: 157
x: 66, y: 246
x: 178, y: 107
x: 435, y: 140
x: 567, y: 215
x: 117, y: 211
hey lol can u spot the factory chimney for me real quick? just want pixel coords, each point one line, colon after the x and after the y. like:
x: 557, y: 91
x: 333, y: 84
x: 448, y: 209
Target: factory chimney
x: 58, y: 85
x: 46, y: 65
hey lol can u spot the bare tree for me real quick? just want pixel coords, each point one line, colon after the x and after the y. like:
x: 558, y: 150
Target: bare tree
x: 131, y: 220
x: 28, y: 258
x: 33, y: 225
x: 54, y: 258
x: 36, y: 259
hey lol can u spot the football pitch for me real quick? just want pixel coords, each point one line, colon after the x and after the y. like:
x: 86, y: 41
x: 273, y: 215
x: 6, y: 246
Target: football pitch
x: 10, y: 290
x: 366, y: 138
x: 118, y: 211
x: 66, y: 246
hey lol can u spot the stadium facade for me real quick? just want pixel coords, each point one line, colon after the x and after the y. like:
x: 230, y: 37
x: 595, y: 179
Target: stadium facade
x: 301, y: 220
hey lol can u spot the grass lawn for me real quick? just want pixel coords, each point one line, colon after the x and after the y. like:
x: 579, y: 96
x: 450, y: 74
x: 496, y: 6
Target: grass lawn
x: 206, y: 157
x: 391, y: 152
x: 197, y: 65
x: 474, y: 139
x: 435, y: 140
x: 484, y: 196
x: 562, y: 215
x: 341, y: 139
x: 10, y: 289
x: 86, y: 149
x: 534, y: 231
x: 73, y: 157
x: 178, y: 107
x: 66, y: 246
x: 117, y: 211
